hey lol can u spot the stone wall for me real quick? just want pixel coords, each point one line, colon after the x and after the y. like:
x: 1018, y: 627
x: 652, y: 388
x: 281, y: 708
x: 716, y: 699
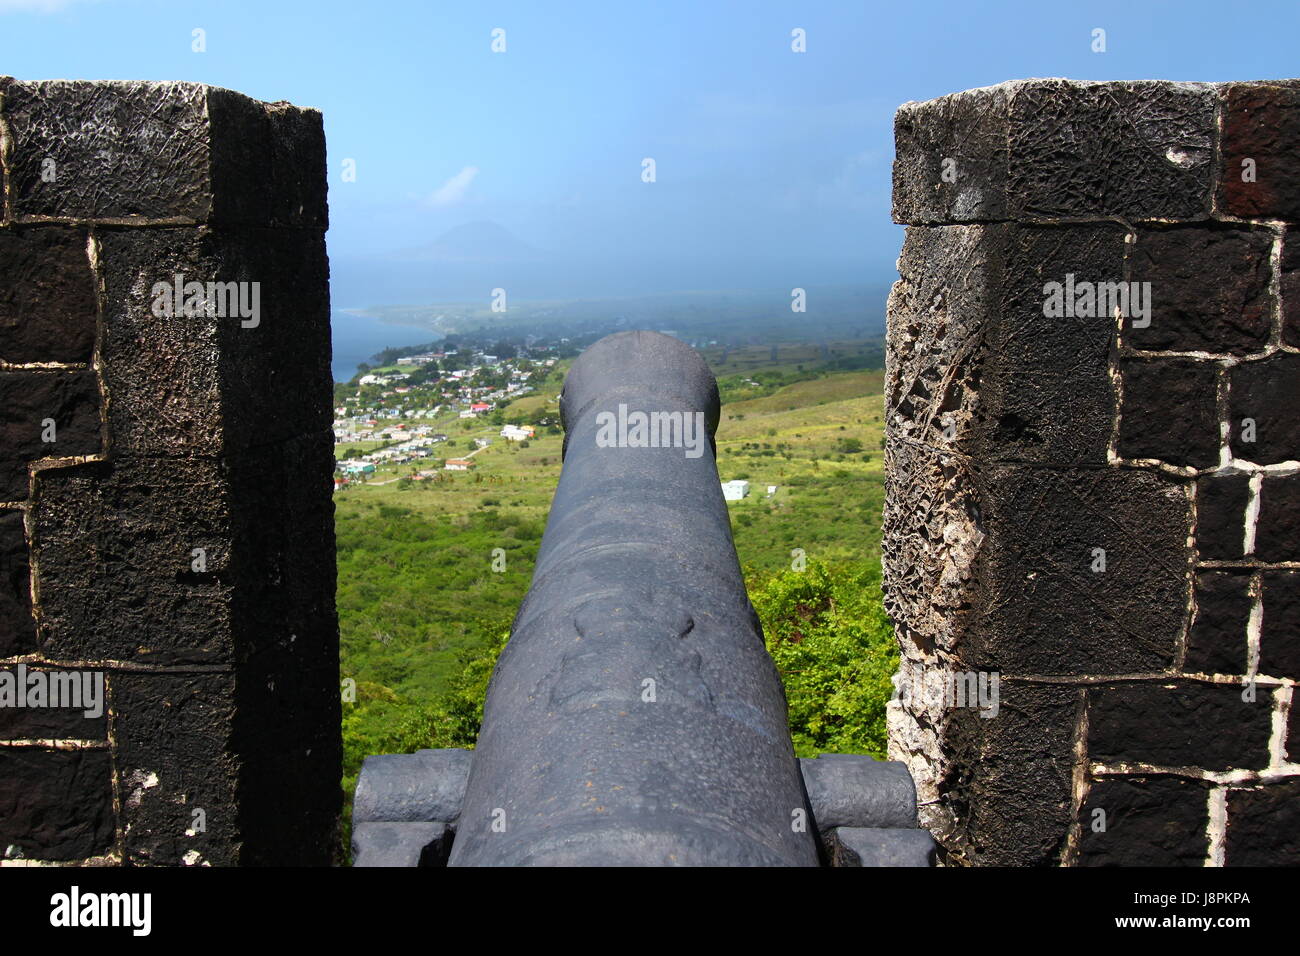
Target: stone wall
x: 1098, y: 502
x: 166, y: 524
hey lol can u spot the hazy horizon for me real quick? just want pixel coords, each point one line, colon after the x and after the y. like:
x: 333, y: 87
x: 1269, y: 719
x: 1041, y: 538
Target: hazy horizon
x: 772, y: 167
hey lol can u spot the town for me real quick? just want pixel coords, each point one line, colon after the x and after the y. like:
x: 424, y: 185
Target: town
x: 399, y: 414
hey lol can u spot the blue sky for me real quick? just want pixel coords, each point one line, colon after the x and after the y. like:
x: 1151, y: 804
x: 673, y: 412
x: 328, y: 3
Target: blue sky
x: 772, y: 166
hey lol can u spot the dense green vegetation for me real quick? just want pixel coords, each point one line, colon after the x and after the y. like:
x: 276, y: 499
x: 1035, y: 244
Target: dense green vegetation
x: 431, y: 573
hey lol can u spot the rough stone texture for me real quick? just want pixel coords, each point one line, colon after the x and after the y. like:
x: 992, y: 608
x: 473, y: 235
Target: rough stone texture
x: 1026, y: 445
x: 401, y: 844
x: 174, y: 757
x: 1179, y: 724
x: 1216, y: 643
x: 1169, y: 412
x: 55, y: 804
x: 847, y: 790
x: 17, y: 629
x: 1279, y: 641
x: 1034, y: 574
x: 1144, y: 821
x: 1261, y: 122
x: 974, y: 364
x: 425, y: 787
x: 200, y: 385
x: 1026, y: 566
x: 1277, y: 532
x: 1264, y: 825
x: 1209, y: 289
x: 62, y: 722
x: 125, y: 590
x: 127, y: 150
x: 47, y: 295
x: 1264, y: 391
x: 867, y: 846
x: 970, y: 129
x: 1006, y: 791
x: 29, y: 400
x: 1052, y: 148
x: 1290, y: 286
x: 931, y: 538
x: 1221, y: 516
x: 178, y: 533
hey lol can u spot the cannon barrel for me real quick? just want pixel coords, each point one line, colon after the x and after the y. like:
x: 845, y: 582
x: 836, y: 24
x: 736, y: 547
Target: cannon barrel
x: 635, y: 716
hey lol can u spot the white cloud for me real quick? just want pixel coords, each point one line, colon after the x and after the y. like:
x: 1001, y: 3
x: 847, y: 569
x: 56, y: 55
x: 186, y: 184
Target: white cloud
x: 453, y: 190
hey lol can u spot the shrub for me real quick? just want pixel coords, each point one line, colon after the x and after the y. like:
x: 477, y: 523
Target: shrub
x: 453, y: 719
x: 834, y: 647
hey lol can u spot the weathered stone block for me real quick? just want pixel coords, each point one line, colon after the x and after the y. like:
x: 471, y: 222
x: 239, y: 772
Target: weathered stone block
x: 1290, y: 287
x: 1261, y: 406
x: 185, y: 384
x: 55, y: 804
x: 1144, y: 821
x: 32, y: 399
x: 950, y: 158
x: 977, y: 364
x: 1279, y: 641
x: 1179, y: 724
x: 1082, y: 572
x: 1209, y: 289
x: 1141, y: 150
x: 179, y: 775
x: 929, y: 543
x: 1216, y: 643
x: 1049, y: 148
x: 47, y: 296
x: 1221, y: 501
x: 1259, y: 145
x: 115, y: 544
x: 1008, y: 783
x: 1277, y: 532
x: 268, y: 162
x: 17, y: 628
x: 72, y: 704
x: 1169, y: 411
x: 1264, y: 825
x: 179, y: 151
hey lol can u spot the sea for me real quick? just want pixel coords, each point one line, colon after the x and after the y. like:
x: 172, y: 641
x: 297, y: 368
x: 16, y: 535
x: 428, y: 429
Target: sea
x: 358, y: 337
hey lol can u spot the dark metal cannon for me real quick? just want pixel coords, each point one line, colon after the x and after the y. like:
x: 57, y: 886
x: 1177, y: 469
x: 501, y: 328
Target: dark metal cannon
x: 635, y: 716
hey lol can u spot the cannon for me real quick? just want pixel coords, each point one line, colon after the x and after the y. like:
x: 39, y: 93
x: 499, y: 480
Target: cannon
x: 635, y: 716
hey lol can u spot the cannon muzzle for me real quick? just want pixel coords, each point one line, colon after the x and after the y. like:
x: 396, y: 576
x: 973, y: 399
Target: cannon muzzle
x: 635, y: 716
